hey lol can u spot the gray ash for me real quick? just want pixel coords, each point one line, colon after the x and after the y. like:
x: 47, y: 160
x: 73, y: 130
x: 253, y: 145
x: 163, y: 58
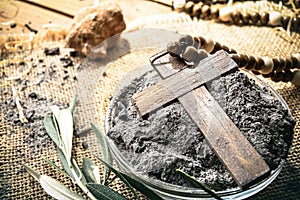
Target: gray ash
x: 35, y: 108
x: 168, y: 139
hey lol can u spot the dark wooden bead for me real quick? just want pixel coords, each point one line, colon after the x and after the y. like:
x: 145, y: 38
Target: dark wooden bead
x: 244, y: 60
x: 197, y: 10
x: 256, y: 72
x: 205, y: 12
x: 217, y: 47
x: 285, y: 21
x: 236, y: 17
x: 295, y: 23
x: 259, y: 64
x: 264, y: 18
x: 287, y: 76
x: 197, y: 42
x: 276, y: 64
x: 268, y: 75
x: 254, y: 17
x: 225, y: 48
x: 174, y: 49
x: 190, y: 54
x: 278, y: 76
x: 232, y: 51
x: 251, y: 63
x: 203, y: 41
x: 289, y: 63
x: 188, y: 7
x: 236, y: 59
x: 282, y: 64
x: 295, y: 62
x: 186, y: 40
x: 245, y: 18
x: 214, y: 12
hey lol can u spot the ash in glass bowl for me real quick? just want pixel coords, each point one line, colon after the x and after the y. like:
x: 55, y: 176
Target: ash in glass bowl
x: 152, y: 149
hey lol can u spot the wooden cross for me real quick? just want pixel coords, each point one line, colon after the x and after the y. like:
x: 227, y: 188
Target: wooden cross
x: 230, y: 145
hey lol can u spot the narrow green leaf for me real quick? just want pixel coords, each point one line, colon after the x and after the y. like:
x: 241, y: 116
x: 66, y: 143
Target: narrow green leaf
x: 51, y: 130
x: 56, y: 167
x: 90, y: 171
x: 58, y: 190
x: 65, y: 164
x: 65, y: 123
x: 105, y: 151
x: 72, y: 104
x: 120, y: 175
x: 103, y: 192
x: 198, y: 184
x: 53, y: 187
x: 55, y: 110
x: 32, y: 172
x: 78, y: 171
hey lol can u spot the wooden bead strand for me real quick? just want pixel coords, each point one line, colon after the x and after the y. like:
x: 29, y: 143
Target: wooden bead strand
x: 236, y: 15
x: 193, y: 49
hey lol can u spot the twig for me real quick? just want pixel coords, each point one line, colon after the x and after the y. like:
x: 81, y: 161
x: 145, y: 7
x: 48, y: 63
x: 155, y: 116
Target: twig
x: 19, y: 106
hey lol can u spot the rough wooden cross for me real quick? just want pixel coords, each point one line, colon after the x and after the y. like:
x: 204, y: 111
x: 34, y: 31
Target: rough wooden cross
x: 229, y: 144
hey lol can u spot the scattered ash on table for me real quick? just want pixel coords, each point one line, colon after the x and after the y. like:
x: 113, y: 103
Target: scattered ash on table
x: 34, y: 108
x: 168, y: 139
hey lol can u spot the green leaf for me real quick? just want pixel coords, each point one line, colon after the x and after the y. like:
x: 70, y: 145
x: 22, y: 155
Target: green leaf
x: 53, y: 187
x: 105, y: 151
x: 120, y: 175
x: 103, y: 192
x: 55, y: 110
x: 72, y: 104
x: 78, y: 171
x: 90, y: 171
x: 51, y: 130
x: 55, y: 166
x: 198, y: 184
x: 65, y: 164
x: 65, y: 123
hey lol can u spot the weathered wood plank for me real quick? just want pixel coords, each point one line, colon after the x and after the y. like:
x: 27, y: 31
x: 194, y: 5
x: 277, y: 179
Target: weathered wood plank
x: 229, y: 144
x: 183, y: 82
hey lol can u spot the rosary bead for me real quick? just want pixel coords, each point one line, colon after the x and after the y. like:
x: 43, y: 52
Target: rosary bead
x: 205, y: 12
x: 268, y: 66
x: 217, y: 47
x: 276, y: 64
x: 236, y: 58
x: 259, y: 64
x: 296, y: 60
x: 197, y: 42
x: 197, y: 9
x: 264, y: 18
x: 214, y: 12
x: 285, y: 21
x: 225, y: 14
x: 269, y: 75
x: 282, y: 64
x: 243, y: 61
x: 202, y: 54
x: 295, y: 23
x: 190, y: 54
x: 288, y: 64
x: 245, y: 18
x: 254, y: 17
x: 174, y: 49
x: 236, y: 17
x: 275, y: 18
x: 296, y: 78
x: 255, y: 72
x: 278, y: 76
x: 188, y: 7
x: 287, y: 76
x: 178, y: 5
x: 185, y: 40
x: 209, y: 45
x: 251, y: 63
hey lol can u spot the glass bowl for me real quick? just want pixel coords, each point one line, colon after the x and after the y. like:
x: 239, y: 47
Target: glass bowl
x: 171, y: 191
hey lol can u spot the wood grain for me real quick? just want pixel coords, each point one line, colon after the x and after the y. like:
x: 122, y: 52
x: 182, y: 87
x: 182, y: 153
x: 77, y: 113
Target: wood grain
x: 183, y: 82
x: 229, y: 144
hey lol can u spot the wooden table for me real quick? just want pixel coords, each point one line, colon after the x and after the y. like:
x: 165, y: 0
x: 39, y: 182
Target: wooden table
x: 40, y: 12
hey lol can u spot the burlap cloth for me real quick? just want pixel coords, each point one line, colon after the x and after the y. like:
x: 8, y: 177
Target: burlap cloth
x: 95, y: 84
